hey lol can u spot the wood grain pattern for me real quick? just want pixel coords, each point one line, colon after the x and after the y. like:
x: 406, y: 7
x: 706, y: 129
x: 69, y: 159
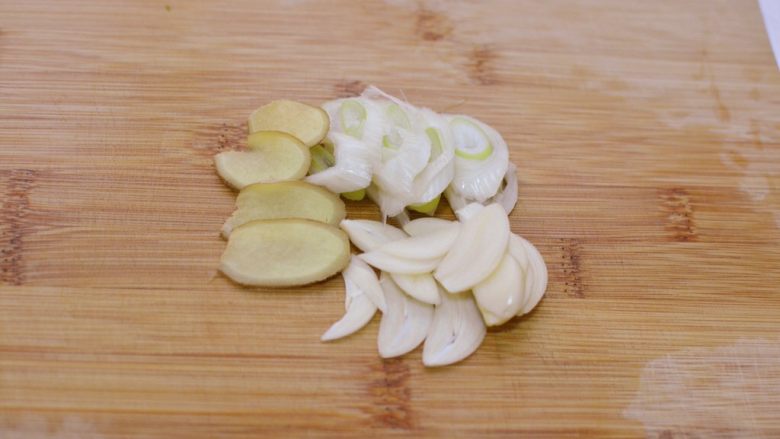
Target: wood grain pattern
x: 648, y: 142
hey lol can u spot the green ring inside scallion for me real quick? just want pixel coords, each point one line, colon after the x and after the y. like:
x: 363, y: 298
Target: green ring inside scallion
x: 354, y: 195
x: 435, y: 138
x: 352, y: 115
x: 428, y: 208
x: 471, y: 142
x: 321, y: 159
x: 392, y: 140
x: 398, y: 117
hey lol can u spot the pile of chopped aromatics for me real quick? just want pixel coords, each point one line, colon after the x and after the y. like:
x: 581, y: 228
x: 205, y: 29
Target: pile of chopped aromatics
x: 440, y: 281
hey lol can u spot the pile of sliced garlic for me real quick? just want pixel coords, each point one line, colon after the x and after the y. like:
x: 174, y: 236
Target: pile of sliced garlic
x: 441, y: 282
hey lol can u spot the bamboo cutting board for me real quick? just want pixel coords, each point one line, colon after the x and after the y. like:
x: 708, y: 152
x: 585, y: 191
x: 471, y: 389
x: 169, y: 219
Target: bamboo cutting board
x: 648, y: 142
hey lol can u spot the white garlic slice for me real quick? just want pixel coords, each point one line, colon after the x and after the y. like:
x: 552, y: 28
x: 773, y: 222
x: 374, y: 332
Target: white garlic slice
x: 420, y: 286
x: 467, y: 212
x: 395, y: 264
x: 537, y: 270
x: 428, y: 246
x: 517, y: 250
x: 500, y: 296
x: 477, y: 251
x: 405, y: 324
x: 456, y: 332
x: 360, y: 310
x: 426, y: 225
x: 364, y: 277
x: 368, y: 235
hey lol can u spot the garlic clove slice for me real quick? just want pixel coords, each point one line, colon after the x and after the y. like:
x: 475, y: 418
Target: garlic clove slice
x: 467, y: 212
x: 406, y: 322
x: 500, y: 296
x: 368, y: 235
x: 433, y: 245
x: 538, y: 271
x: 517, y: 250
x: 456, y: 331
x: 360, y: 310
x: 420, y: 286
x: 424, y: 226
x: 477, y: 250
x: 364, y: 277
x: 395, y: 264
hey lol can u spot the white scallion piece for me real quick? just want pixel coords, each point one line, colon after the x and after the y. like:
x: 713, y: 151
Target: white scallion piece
x: 353, y: 165
x: 481, y: 158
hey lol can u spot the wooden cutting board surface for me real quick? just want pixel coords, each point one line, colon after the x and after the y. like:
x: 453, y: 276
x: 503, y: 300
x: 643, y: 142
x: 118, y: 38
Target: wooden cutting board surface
x: 647, y: 138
